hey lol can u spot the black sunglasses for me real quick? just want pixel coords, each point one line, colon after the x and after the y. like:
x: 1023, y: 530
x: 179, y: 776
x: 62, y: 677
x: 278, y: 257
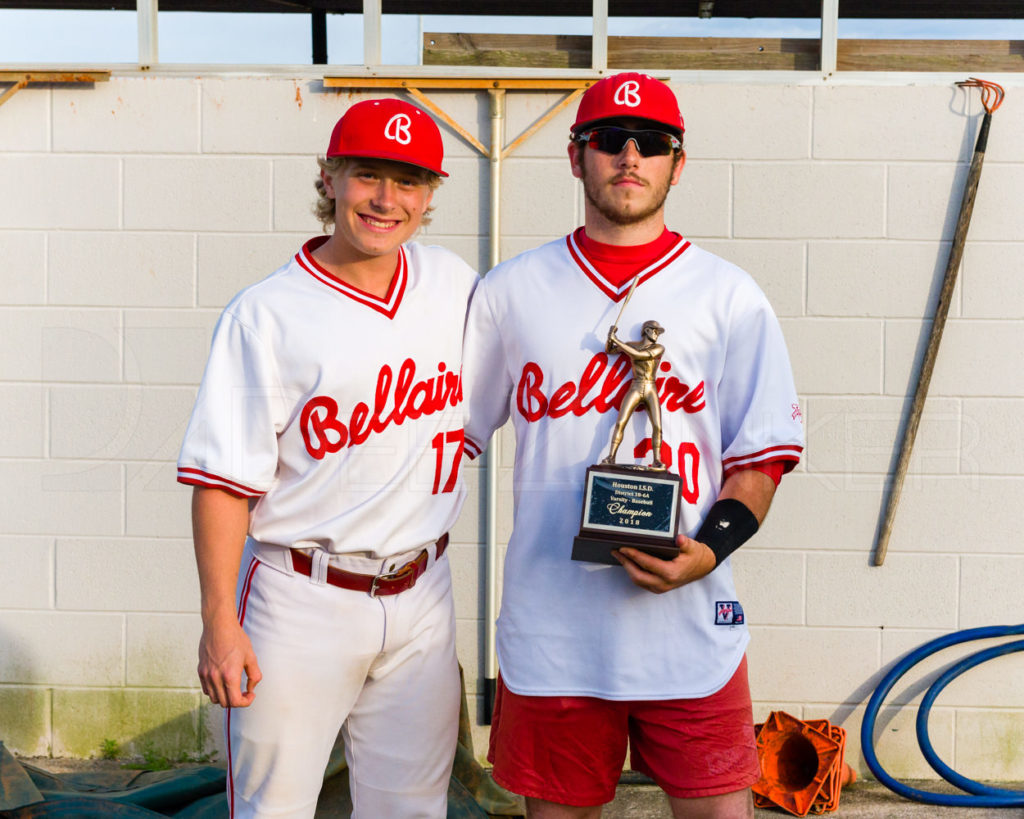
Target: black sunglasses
x: 612, y: 140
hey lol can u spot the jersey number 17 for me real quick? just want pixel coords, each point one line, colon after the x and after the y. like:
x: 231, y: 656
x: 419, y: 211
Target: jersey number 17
x: 452, y: 444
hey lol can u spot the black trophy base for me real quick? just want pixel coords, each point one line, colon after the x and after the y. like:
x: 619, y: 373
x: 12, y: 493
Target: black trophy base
x: 626, y: 505
x: 596, y: 550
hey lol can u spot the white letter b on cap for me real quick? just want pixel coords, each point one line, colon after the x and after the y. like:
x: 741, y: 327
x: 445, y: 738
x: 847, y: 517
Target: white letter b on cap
x: 628, y: 94
x: 397, y: 129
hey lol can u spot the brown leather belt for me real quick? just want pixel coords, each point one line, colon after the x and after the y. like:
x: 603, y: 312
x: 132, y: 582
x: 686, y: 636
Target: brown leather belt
x: 376, y: 585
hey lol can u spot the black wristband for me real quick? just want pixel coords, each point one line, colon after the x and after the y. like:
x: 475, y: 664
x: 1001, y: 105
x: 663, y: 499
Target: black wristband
x: 728, y: 526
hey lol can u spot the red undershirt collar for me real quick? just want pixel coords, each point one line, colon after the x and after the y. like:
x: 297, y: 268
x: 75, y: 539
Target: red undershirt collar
x: 620, y: 263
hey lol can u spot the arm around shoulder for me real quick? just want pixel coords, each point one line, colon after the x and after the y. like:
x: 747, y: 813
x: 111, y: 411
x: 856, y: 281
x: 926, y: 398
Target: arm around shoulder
x: 485, y: 374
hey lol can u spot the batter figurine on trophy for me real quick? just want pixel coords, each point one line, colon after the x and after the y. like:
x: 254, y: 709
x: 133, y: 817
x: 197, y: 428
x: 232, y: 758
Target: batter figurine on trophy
x: 645, y: 355
x: 631, y: 504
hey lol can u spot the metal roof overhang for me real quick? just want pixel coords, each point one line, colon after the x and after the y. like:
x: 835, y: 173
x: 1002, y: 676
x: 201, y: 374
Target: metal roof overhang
x: 898, y: 9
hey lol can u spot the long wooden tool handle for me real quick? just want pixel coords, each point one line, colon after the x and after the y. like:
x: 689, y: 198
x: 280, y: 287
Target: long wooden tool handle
x: 956, y: 253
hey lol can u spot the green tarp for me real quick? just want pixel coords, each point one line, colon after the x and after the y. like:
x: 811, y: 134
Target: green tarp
x: 197, y: 791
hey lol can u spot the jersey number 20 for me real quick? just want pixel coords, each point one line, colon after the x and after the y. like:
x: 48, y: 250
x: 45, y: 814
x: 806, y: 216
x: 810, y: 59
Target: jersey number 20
x: 688, y: 465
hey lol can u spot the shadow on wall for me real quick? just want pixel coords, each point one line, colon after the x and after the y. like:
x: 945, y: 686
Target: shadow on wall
x: 862, y: 693
x: 24, y: 710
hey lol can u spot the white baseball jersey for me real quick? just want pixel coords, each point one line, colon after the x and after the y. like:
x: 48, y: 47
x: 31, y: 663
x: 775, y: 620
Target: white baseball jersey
x: 338, y: 411
x: 535, y: 350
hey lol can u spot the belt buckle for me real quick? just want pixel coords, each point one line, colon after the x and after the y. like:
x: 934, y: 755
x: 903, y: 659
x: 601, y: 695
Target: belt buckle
x: 408, y: 568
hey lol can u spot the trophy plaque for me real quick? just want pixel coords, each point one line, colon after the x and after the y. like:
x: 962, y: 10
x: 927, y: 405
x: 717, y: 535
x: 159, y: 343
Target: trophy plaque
x: 623, y: 506
x: 626, y: 504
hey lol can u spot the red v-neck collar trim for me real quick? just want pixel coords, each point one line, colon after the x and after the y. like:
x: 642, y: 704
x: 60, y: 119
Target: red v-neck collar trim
x: 388, y: 305
x: 618, y: 292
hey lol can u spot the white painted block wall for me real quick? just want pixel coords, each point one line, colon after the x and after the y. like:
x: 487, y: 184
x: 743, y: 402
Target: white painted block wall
x: 132, y: 210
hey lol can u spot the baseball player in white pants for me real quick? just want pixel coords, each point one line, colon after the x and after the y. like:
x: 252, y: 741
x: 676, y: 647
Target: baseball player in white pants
x: 325, y: 449
x: 652, y: 652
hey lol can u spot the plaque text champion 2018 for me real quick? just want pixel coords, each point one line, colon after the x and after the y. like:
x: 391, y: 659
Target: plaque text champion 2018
x: 623, y: 503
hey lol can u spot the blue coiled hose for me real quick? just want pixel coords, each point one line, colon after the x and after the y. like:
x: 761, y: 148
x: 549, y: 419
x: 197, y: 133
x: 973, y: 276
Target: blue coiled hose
x: 978, y: 795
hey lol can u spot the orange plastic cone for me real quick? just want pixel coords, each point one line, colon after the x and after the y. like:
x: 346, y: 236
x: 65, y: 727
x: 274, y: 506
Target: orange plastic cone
x: 802, y: 767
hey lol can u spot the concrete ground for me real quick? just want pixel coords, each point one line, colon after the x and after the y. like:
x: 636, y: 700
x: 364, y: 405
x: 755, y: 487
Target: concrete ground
x: 861, y: 800
x: 865, y: 799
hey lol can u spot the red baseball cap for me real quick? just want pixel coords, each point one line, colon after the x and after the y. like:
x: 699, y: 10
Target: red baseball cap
x: 389, y: 129
x: 638, y: 96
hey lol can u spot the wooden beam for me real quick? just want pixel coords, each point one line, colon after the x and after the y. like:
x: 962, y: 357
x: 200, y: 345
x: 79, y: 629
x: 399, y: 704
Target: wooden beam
x: 723, y: 53
x: 14, y: 89
x: 54, y: 76
x: 664, y: 53
x: 540, y: 123
x: 444, y: 116
x: 931, y: 55
x: 455, y: 83
x: 496, y: 153
x: 21, y: 79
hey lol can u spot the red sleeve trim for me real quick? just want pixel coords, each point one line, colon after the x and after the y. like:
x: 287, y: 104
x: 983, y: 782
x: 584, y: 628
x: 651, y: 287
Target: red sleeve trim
x: 473, y: 449
x: 771, y: 453
x: 773, y: 469
x: 786, y: 454
x: 207, y: 480
x: 786, y: 464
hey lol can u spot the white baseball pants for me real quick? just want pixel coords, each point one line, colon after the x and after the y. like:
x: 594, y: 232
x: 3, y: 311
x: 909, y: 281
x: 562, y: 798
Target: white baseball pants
x: 383, y: 670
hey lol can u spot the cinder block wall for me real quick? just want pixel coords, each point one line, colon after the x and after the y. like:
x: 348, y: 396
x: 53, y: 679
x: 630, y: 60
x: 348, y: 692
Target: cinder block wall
x: 132, y: 210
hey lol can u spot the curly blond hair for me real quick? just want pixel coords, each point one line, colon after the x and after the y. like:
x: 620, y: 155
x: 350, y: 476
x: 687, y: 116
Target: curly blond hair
x: 323, y: 209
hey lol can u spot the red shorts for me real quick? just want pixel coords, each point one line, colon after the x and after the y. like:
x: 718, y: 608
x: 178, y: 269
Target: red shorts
x: 570, y: 750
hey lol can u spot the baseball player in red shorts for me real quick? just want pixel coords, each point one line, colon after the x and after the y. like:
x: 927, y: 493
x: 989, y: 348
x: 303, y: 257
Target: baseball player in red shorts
x: 653, y: 652
x: 324, y: 449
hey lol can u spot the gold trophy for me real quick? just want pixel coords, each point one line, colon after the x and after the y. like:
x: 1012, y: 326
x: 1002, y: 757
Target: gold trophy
x: 631, y: 504
x: 646, y: 356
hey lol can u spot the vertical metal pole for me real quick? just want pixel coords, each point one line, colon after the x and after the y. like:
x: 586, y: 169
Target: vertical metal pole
x: 419, y: 40
x: 318, y: 21
x: 497, y: 111
x: 497, y: 96
x: 146, y: 13
x: 599, y: 40
x: 371, y: 32
x: 829, y: 36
